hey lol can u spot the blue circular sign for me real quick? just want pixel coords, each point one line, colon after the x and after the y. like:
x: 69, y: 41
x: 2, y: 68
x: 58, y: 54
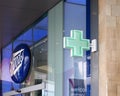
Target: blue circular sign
x: 20, y: 63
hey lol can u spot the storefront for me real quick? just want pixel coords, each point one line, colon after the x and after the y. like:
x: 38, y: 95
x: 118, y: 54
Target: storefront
x: 53, y: 68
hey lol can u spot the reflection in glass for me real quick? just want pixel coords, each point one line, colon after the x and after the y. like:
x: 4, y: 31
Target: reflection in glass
x: 36, y: 39
x: 76, y: 69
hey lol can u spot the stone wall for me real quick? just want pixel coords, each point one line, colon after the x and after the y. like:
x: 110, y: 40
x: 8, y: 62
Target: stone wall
x: 109, y: 47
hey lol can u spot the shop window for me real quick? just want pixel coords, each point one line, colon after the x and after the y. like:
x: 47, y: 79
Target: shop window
x: 7, y: 83
x: 34, y: 34
x: 76, y: 69
x: 40, y: 30
x: 36, y: 39
x: 26, y: 38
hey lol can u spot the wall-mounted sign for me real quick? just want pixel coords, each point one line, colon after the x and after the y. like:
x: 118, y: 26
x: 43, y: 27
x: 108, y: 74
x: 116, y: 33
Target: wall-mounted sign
x: 76, y: 43
x: 20, y: 63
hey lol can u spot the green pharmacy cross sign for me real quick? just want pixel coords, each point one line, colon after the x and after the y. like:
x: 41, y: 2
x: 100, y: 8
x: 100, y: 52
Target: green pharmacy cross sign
x: 76, y: 43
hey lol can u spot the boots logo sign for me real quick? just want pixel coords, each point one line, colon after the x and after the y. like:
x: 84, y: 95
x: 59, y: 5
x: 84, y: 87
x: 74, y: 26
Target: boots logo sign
x: 20, y: 63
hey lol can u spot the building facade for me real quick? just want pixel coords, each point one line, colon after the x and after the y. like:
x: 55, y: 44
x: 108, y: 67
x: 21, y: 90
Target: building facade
x: 55, y: 66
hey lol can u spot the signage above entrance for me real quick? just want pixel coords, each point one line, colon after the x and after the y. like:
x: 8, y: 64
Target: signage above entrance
x: 76, y: 43
x: 20, y: 63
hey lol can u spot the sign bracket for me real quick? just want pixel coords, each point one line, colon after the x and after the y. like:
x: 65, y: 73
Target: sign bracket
x: 93, y: 45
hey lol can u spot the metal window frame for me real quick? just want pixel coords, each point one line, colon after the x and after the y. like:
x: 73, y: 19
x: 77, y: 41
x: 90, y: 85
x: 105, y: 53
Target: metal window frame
x: 26, y: 90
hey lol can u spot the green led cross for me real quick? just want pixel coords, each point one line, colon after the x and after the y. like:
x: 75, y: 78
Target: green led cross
x: 76, y: 43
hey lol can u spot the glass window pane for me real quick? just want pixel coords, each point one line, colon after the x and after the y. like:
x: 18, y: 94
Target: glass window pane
x: 39, y: 49
x: 77, y: 1
x: 25, y: 38
x: 76, y: 69
x: 6, y: 79
x: 7, y: 83
x: 36, y: 39
x: 40, y: 30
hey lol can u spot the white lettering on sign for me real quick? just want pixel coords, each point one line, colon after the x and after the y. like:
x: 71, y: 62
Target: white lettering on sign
x: 17, y: 60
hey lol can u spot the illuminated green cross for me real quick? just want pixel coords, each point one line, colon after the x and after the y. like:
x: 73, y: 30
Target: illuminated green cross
x: 76, y: 43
